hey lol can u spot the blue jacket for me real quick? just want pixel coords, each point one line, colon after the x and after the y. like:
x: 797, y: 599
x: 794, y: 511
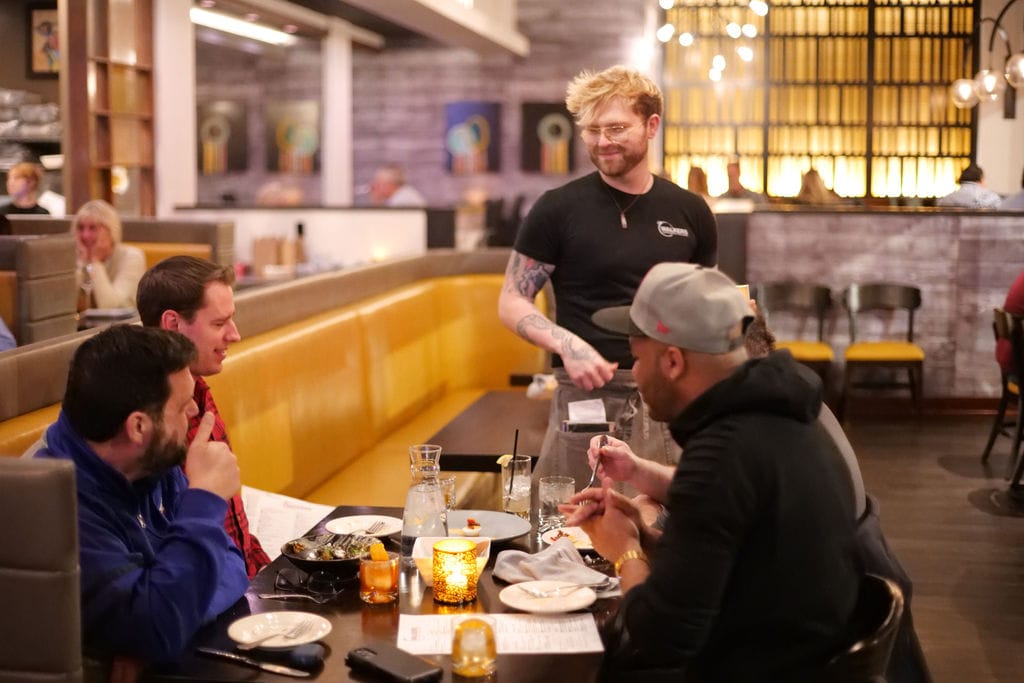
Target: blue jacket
x: 156, y: 563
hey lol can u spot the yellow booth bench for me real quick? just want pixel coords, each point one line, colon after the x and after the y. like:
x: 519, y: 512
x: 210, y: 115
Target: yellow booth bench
x: 330, y: 385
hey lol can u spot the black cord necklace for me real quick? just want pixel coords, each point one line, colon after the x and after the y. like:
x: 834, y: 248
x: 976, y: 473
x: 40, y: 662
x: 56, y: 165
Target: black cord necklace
x: 623, y: 209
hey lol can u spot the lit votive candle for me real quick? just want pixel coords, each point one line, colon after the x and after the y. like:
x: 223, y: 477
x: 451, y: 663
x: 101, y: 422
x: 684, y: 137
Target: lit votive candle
x: 455, y: 570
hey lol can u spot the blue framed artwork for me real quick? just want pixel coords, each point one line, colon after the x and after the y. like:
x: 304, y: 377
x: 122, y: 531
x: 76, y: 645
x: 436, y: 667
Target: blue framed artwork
x: 472, y: 139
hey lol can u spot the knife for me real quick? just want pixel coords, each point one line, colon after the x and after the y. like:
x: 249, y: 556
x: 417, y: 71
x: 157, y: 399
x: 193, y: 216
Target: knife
x: 266, y: 666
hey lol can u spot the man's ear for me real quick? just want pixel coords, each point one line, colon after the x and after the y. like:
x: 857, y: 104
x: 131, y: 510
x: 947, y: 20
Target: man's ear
x: 137, y: 427
x: 673, y: 362
x: 170, y: 320
x: 653, y: 123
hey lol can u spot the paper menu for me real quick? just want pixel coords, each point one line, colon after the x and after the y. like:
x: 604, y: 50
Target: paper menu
x: 276, y: 519
x: 431, y: 634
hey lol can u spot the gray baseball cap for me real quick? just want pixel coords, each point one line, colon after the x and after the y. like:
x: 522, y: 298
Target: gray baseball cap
x: 684, y: 305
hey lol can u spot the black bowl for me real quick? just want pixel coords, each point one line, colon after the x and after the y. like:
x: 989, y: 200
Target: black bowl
x: 344, y: 567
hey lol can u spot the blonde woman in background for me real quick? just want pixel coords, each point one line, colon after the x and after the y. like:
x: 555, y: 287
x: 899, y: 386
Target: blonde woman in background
x: 108, y: 271
x: 813, y: 190
x: 697, y: 182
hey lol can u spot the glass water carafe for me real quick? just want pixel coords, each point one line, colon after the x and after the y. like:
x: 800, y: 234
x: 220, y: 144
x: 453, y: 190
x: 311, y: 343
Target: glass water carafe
x: 425, y: 513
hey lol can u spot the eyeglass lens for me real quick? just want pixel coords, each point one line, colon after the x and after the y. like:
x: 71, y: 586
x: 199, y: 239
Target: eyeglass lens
x: 614, y: 133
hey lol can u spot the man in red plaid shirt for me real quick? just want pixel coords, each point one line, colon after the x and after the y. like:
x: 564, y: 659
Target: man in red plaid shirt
x: 194, y: 297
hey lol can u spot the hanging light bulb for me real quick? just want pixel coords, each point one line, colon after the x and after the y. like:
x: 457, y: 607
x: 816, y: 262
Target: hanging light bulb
x: 749, y: 30
x: 745, y: 53
x: 759, y: 7
x: 667, y: 4
x: 1015, y: 70
x: 989, y: 85
x: 718, y: 62
x: 666, y: 32
x: 962, y: 93
x: 686, y: 39
x: 733, y: 29
x: 715, y: 74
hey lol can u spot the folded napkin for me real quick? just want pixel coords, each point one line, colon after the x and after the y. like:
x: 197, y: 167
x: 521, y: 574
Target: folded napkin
x: 558, y: 562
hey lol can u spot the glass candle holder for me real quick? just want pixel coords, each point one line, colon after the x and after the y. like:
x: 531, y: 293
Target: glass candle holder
x: 455, y: 571
x: 473, y: 647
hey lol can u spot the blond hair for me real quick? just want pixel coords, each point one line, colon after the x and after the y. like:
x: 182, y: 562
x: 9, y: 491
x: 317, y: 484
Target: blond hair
x: 27, y: 169
x: 103, y: 213
x: 589, y: 91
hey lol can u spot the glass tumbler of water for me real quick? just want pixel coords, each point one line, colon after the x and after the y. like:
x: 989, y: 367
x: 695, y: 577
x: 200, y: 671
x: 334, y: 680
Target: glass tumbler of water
x: 515, y: 486
x: 474, y: 653
x: 424, y: 460
x: 554, y: 491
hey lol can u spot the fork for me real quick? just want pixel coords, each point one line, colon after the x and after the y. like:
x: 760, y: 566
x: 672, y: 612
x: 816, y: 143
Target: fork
x: 294, y: 631
x: 375, y: 527
x: 597, y: 462
x: 558, y: 591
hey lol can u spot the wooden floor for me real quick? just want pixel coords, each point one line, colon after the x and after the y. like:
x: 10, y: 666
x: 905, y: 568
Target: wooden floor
x: 948, y: 519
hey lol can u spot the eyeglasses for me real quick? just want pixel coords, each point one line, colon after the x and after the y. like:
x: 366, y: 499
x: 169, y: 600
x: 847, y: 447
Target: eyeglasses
x: 321, y: 586
x: 614, y: 132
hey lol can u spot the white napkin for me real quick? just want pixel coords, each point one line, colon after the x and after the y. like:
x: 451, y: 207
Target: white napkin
x: 558, y: 562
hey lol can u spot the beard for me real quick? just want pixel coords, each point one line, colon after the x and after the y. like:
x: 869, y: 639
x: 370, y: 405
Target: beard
x: 616, y: 167
x: 162, y: 454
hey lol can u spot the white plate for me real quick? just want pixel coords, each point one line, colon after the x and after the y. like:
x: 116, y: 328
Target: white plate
x: 358, y: 524
x: 254, y: 626
x: 516, y: 598
x: 497, y: 526
x: 577, y: 535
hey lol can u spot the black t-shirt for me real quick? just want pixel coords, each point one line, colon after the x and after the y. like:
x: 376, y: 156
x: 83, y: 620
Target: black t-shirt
x: 9, y: 208
x: 577, y: 229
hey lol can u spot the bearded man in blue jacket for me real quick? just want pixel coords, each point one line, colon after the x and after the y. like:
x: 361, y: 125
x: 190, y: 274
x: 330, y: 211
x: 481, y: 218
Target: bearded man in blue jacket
x: 156, y: 563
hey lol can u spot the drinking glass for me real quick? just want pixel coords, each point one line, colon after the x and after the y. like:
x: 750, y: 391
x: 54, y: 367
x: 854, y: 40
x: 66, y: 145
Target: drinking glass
x: 474, y: 653
x: 378, y: 579
x: 553, y: 491
x: 515, y: 486
x: 424, y: 458
x: 448, y: 489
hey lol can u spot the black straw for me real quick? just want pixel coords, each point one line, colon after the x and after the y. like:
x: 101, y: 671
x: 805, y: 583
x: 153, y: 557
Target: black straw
x: 512, y: 465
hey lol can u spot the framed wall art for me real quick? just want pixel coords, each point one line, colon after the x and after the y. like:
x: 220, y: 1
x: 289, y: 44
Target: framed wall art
x: 42, y: 40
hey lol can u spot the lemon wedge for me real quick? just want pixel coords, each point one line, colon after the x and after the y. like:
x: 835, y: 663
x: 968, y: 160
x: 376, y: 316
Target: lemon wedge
x: 505, y: 459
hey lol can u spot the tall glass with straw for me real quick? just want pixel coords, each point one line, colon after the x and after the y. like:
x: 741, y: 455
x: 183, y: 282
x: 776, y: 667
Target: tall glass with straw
x: 515, y: 482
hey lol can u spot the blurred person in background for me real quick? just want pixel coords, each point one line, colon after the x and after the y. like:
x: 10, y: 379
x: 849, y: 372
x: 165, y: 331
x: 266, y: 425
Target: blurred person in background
x: 813, y: 190
x: 24, y: 183
x: 697, y: 182
x: 7, y: 340
x: 389, y: 188
x: 736, y: 189
x: 108, y: 271
x: 972, y: 193
x: 1015, y: 202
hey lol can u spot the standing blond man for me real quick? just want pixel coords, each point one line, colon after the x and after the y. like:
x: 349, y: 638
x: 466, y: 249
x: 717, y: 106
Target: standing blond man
x: 594, y: 239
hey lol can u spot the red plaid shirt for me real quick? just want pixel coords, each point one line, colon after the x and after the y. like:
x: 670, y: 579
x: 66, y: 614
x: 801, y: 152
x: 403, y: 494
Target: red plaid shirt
x: 235, y: 522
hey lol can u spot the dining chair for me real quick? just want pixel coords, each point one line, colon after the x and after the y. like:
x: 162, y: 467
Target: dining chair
x: 881, y: 299
x: 876, y: 620
x: 41, y: 618
x: 804, y: 301
x: 1002, y: 324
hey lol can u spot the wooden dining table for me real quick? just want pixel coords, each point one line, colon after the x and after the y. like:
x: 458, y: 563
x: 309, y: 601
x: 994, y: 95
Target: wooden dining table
x: 355, y: 624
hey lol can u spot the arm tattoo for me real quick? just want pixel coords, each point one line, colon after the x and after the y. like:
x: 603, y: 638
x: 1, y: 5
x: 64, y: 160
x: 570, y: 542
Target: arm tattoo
x: 526, y: 276
x: 571, y: 346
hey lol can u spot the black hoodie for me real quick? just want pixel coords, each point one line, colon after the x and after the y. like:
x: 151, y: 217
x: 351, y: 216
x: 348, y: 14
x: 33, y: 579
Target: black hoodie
x: 756, y: 576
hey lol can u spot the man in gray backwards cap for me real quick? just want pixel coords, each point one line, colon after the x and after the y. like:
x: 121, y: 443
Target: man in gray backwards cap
x: 755, y: 575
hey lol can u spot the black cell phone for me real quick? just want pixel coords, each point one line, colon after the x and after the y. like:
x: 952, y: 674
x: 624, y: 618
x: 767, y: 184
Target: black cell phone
x: 385, y: 662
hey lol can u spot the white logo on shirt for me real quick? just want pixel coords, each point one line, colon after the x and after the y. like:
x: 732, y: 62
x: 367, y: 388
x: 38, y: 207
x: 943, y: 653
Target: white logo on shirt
x: 669, y: 230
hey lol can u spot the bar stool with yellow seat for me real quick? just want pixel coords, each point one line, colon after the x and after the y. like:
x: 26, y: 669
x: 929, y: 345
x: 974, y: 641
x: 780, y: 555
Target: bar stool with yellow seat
x: 800, y: 299
x: 860, y: 356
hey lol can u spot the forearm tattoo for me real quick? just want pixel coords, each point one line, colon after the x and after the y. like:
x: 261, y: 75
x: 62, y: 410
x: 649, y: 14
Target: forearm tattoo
x: 570, y: 346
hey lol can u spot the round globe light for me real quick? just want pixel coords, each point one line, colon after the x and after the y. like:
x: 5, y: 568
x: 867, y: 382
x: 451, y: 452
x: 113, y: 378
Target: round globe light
x: 749, y: 30
x: 733, y: 29
x: 745, y: 53
x: 962, y: 93
x: 686, y: 39
x: 666, y: 32
x: 718, y: 62
x: 989, y: 85
x: 1015, y: 70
